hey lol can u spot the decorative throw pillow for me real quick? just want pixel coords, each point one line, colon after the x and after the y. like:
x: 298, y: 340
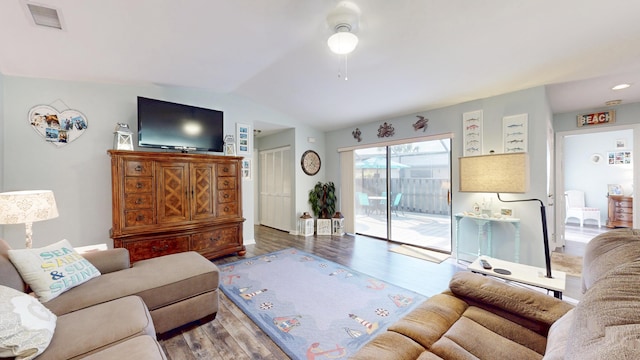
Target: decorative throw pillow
x: 53, y: 269
x: 26, y: 326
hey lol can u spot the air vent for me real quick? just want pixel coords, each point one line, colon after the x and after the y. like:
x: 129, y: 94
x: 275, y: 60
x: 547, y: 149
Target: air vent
x: 44, y: 16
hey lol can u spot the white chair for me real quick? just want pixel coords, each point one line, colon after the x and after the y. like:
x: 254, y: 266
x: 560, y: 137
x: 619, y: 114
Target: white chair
x: 575, y: 208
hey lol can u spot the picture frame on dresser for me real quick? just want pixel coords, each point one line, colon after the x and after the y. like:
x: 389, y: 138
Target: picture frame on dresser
x: 614, y: 189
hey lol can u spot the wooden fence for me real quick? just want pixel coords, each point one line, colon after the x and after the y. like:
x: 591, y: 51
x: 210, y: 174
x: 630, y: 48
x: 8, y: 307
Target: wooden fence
x: 427, y: 196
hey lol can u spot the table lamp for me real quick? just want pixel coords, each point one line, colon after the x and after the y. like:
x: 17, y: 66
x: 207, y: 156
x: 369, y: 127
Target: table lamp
x: 502, y: 173
x: 26, y: 207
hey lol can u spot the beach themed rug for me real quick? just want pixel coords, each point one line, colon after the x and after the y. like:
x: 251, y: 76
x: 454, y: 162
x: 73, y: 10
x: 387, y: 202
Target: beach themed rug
x: 311, y: 307
x: 420, y: 253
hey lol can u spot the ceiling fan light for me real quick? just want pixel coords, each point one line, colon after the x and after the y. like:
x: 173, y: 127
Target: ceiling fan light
x: 342, y: 42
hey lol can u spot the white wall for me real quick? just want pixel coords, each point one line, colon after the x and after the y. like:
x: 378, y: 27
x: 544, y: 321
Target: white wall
x: 79, y: 173
x: 449, y: 119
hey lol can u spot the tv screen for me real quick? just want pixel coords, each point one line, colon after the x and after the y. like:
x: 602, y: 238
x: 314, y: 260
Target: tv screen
x: 168, y: 125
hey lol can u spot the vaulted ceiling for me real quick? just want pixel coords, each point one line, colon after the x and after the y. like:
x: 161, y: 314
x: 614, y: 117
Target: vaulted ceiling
x: 413, y: 55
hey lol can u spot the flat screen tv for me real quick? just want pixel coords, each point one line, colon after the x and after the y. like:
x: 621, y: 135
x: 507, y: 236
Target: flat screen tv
x: 168, y: 125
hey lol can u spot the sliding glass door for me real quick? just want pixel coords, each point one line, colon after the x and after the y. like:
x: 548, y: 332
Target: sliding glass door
x: 402, y: 193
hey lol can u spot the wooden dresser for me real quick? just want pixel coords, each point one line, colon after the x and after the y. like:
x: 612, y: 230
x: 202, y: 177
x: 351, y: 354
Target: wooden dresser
x: 165, y: 203
x: 620, y: 213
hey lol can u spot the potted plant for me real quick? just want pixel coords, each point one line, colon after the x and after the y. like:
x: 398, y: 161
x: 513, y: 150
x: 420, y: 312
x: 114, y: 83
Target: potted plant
x: 323, y: 204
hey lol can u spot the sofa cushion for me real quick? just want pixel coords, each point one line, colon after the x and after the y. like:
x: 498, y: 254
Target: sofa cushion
x: 140, y: 347
x: 26, y: 326
x: 558, y: 337
x: 53, y: 269
x: 98, y: 327
x: 522, y: 302
x: 159, y: 281
x: 607, y: 320
x: 432, y: 318
x: 608, y: 250
x: 467, y: 339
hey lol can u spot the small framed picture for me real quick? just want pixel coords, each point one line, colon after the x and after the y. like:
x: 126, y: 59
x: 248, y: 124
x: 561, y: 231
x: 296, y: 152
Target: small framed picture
x: 621, y: 144
x: 246, y: 169
x: 244, y: 138
x: 615, y: 189
x: 506, y: 212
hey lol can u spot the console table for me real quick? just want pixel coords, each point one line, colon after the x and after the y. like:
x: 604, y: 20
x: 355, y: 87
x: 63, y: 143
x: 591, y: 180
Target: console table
x: 523, y: 274
x: 487, y: 222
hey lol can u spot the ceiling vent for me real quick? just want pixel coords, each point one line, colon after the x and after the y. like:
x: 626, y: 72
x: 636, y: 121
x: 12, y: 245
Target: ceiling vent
x: 44, y: 16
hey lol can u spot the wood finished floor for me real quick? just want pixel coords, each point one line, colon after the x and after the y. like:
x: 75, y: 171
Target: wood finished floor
x: 232, y: 335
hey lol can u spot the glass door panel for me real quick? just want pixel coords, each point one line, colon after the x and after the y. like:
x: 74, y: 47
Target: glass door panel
x: 402, y: 193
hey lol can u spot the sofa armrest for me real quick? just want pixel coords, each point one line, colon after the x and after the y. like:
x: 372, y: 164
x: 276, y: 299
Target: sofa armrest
x: 111, y: 260
x: 522, y: 302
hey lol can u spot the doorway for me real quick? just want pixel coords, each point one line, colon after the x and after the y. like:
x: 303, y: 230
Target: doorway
x: 402, y: 193
x: 599, y: 156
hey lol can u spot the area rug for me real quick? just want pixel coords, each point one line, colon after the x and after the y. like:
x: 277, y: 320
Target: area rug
x: 420, y: 253
x: 570, y: 264
x: 311, y: 307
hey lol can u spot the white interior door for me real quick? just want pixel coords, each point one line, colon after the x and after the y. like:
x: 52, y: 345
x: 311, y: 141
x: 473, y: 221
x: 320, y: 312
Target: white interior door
x: 275, y: 188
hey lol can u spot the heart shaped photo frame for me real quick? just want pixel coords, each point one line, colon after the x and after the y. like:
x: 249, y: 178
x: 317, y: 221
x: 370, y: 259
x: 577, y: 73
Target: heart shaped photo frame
x: 57, y: 128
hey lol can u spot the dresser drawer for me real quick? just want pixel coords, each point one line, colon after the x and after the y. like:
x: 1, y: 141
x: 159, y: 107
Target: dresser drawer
x: 146, y: 249
x: 226, y: 182
x: 227, y: 209
x: 226, y: 196
x: 624, y: 204
x: 226, y: 169
x: 138, y: 218
x: 138, y: 201
x: 213, y: 240
x: 623, y: 217
x: 624, y: 210
x: 138, y: 185
x: 138, y: 168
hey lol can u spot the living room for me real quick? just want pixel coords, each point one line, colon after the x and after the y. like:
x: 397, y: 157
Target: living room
x: 79, y: 172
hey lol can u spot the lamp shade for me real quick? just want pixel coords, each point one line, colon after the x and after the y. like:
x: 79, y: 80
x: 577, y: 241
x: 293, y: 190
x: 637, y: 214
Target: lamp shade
x: 499, y: 173
x: 20, y: 207
x: 342, y: 42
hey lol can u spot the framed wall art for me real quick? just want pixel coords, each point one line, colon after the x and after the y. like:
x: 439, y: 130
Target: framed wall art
x: 55, y: 127
x: 619, y: 157
x: 246, y: 169
x: 472, y: 133
x: 514, y: 133
x: 244, y: 139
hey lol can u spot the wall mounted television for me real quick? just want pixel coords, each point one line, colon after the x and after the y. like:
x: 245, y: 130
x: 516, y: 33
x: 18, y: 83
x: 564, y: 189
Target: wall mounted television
x: 168, y: 125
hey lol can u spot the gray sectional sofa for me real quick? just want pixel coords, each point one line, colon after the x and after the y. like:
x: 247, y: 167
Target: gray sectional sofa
x: 119, y: 313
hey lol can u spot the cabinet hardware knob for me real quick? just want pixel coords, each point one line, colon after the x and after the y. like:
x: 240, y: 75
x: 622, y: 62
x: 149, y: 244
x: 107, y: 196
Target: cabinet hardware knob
x: 226, y: 183
x: 139, y: 201
x: 140, y: 217
x: 139, y: 168
x: 139, y: 186
x: 226, y: 209
x: 225, y: 169
x: 226, y: 196
x: 160, y: 248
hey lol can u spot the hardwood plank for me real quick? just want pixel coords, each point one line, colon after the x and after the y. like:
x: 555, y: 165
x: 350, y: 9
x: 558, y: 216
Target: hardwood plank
x: 176, y: 348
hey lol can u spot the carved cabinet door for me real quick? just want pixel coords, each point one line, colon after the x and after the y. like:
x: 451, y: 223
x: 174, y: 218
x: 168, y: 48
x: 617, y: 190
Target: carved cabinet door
x: 202, y: 191
x: 173, y: 192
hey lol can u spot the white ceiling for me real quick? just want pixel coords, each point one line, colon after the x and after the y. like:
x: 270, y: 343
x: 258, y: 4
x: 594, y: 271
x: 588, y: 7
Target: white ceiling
x: 413, y: 55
